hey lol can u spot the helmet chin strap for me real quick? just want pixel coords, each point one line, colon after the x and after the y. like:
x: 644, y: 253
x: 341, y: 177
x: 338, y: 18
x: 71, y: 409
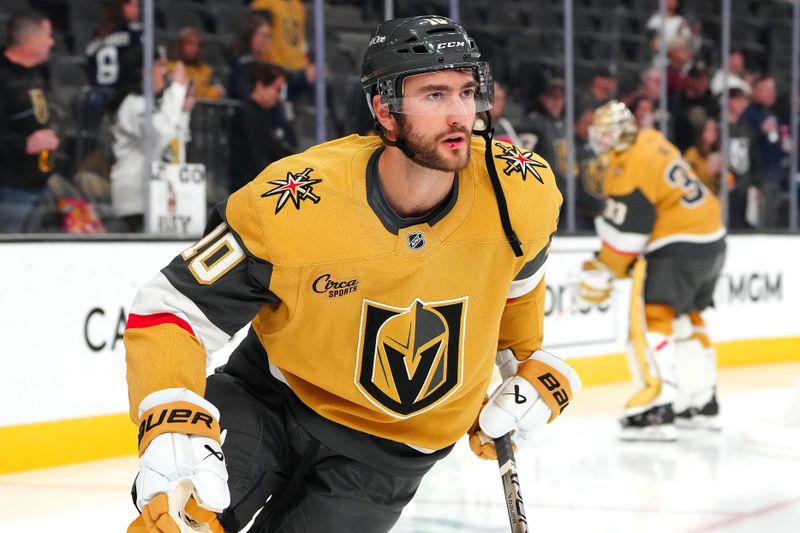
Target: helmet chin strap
x: 399, y: 142
x: 502, y: 207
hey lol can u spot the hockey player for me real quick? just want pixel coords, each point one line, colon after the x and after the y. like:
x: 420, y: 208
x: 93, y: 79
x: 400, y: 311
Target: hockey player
x: 656, y: 208
x: 384, y: 276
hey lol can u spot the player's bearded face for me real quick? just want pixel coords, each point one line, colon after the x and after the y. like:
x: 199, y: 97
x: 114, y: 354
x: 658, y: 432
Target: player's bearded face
x: 435, y: 116
x: 445, y: 149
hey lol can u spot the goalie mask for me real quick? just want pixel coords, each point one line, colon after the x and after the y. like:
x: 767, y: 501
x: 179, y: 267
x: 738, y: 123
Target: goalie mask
x: 613, y: 128
x: 405, y: 47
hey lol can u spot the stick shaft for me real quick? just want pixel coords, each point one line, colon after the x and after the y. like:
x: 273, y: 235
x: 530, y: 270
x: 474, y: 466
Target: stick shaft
x: 511, y: 488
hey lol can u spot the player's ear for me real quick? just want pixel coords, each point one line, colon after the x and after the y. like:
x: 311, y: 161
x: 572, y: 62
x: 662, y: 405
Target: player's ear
x: 384, y: 117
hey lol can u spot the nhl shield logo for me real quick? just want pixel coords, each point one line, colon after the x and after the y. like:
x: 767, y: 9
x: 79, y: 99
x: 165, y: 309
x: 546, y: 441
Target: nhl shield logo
x: 415, y: 240
x: 410, y: 359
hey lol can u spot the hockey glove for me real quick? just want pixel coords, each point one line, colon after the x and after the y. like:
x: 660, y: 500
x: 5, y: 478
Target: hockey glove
x: 539, y: 391
x: 176, y: 513
x: 180, y: 456
x: 595, y: 282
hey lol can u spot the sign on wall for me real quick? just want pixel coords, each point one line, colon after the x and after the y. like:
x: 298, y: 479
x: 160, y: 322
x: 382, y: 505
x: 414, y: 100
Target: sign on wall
x: 64, y: 307
x: 178, y: 199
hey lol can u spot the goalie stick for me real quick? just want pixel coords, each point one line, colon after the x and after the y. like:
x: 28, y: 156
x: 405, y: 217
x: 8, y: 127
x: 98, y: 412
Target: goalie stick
x: 508, y: 474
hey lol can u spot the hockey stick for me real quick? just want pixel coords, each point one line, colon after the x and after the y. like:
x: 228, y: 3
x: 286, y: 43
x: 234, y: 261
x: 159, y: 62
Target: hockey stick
x: 508, y: 473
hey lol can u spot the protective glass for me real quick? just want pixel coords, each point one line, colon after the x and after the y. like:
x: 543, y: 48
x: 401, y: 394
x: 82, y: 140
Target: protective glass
x: 442, y: 99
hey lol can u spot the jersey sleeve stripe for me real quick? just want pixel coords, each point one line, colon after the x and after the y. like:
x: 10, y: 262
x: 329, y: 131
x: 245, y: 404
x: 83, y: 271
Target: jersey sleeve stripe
x: 145, y: 321
x: 621, y: 242
x: 522, y: 287
x: 531, y: 273
x: 159, y: 296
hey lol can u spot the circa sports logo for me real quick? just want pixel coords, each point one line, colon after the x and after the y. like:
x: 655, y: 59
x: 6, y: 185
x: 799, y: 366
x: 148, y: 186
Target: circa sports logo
x: 519, y: 161
x: 325, y: 284
x: 410, y: 359
x: 296, y: 187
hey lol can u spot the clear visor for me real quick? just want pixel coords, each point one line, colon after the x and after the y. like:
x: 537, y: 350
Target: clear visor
x: 433, y: 96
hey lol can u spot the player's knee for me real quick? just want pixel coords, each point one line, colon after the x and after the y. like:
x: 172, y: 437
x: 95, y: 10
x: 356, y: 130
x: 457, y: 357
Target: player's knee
x: 659, y: 318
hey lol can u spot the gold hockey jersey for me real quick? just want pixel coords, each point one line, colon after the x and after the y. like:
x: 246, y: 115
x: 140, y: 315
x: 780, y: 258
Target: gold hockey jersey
x: 387, y: 330
x: 653, y: 200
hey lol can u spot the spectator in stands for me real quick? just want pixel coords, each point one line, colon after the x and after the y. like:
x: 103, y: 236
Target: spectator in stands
x: 589, y: 191
x: 252, y: 41
x: 189, y: 51
x: 677, y: 27
x: 643, y: 112
x: 761, y: 116
x: 679, y: 56
x: 504, y: 130
x: 737, y: 75
x: 704, y: 157
x: 602, y: 88
x: 743, y: 161
x: 651, y: 84
x: 544, y: 130
x: 289, y: 48
x: 170, y: 128
x: 58, y: 13
x: 259, y: 132
x: 27, y: 141
x: 120, y: 30
x: 650, y: 88
x: 692, y: 106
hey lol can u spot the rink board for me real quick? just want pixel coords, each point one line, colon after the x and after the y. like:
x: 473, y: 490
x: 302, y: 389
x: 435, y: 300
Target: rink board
x: 65, y: 304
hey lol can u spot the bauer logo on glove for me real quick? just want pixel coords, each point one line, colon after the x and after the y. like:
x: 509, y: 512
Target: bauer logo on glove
x: 183, y: 417
x: 539, y: 391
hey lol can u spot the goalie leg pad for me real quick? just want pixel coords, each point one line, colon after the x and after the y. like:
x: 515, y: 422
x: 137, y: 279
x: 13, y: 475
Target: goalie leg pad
x: 649, y: 414
x: 696, y: 406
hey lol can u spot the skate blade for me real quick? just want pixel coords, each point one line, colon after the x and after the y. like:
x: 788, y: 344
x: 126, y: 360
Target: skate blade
x: 659, y: 433
x: 699, y: 422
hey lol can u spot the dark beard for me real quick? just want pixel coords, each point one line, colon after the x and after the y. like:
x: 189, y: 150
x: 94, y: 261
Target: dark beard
x: 428, y: 156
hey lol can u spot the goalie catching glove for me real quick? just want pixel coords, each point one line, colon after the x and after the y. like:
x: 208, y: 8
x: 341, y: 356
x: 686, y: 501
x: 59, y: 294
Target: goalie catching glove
x: 539, y: 390
x: 182, y: 481
x: 595, y: 282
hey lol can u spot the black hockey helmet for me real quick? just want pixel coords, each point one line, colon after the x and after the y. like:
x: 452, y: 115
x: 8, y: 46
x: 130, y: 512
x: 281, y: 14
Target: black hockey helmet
x: 406, y: 46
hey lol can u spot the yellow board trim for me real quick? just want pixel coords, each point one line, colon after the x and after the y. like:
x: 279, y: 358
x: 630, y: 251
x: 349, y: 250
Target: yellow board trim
x: 613, y: 368
x: 46, y: 444
x: 76, y: 440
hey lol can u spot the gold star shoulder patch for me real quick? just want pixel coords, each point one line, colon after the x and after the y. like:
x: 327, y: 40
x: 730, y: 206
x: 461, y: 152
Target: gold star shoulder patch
x: 297, y: 186
x: 519, y: 161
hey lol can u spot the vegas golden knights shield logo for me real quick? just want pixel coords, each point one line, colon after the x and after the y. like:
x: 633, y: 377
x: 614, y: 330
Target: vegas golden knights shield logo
x: 410, y: 359
x: 39, y: 103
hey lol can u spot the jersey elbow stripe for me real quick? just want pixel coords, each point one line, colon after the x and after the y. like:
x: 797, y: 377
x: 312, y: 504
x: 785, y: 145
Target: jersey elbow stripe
x: 620, y: 252
x: 621, y: 242
x: 159, y: 297
x: 145, y: 321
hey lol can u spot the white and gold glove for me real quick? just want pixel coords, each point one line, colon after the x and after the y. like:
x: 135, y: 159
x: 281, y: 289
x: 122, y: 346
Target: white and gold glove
x: 595, y: 282
x: 539, y: 390
x: 182, y: 481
